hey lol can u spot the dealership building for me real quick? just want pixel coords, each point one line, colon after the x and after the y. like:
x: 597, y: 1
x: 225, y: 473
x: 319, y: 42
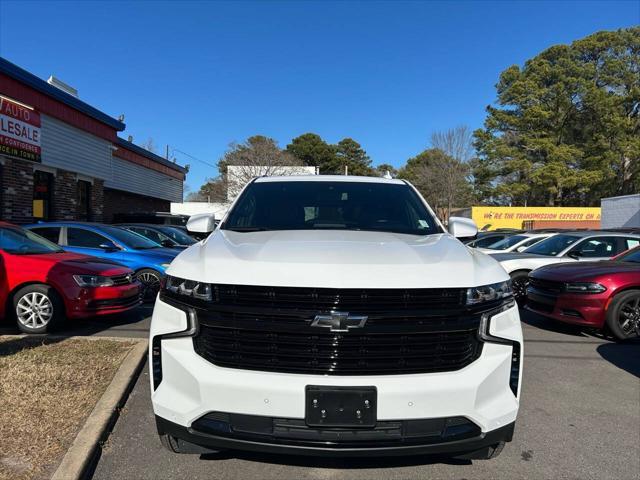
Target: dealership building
x: 62, y: 159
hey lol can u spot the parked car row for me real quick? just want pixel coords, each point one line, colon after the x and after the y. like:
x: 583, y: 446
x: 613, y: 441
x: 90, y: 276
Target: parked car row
x: 57, y: 270
x: 563, y: 275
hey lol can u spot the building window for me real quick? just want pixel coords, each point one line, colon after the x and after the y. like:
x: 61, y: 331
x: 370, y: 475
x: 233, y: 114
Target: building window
x: 42, y: 195
x: 84, y: 200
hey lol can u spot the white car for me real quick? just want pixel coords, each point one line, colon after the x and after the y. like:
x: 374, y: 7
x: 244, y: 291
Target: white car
x: 563, y: 247
x: 516, y: 243
x: 334, y: 316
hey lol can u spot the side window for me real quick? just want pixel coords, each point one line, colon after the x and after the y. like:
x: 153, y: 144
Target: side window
x: 151, y: 235
x: 630, y: 243
x: 50, y: 233
x: 599, y: 247
x: 79, y: 237
x: 528, y: 243
x: 487, y: 241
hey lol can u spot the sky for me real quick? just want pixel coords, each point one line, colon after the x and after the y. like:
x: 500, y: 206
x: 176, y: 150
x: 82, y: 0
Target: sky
x: 199, y: 75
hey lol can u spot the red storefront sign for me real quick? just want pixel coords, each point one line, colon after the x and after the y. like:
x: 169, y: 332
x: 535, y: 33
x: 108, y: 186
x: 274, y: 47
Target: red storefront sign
x: 19, y: 131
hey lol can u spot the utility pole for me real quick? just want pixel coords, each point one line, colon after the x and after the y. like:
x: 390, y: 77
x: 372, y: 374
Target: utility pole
x: 167, y: 153
x: 346, y: 169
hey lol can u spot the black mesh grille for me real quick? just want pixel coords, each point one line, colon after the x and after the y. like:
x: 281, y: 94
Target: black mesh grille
x: 122, y: 279
x: 269, y: 329
x: 548, y: 287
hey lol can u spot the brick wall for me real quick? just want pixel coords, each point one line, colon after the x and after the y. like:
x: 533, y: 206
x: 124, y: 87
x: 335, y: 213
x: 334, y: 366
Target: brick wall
x: 17, y: 191
x: 65, y: 196
x: 118, y: 201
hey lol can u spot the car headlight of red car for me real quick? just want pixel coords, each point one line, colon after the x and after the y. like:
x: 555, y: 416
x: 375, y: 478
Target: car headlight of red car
x: 93, y: 281
x: 585, y: 287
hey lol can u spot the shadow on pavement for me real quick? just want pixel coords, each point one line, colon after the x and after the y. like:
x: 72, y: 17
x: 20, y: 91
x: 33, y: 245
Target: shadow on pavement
x: 538, y: 321
x: 93, y: 325
x: 625, y: 356
x: 337, y: 463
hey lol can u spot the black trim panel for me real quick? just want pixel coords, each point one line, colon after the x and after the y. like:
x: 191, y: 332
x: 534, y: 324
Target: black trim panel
x: 193, y: 438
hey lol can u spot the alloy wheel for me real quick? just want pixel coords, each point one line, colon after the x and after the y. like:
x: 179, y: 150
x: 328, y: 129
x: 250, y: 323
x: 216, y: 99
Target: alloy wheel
x: 629, y: 317
x: 519, y: 287
x: 151, y: 284
x: 34, y: 310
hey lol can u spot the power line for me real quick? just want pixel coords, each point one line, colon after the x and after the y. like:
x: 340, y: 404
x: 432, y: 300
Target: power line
x: 194, y: 158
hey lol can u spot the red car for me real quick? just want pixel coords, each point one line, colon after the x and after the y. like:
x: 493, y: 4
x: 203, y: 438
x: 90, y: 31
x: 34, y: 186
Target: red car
x: 602, y: 294
x: 41, y: 284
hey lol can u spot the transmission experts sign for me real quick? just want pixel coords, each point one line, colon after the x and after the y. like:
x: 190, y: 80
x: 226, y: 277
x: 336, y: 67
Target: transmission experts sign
x: 19, y: 131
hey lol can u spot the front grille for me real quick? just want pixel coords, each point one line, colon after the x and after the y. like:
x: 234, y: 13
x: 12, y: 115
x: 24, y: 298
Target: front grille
x: 548, y: 287
x: 115, y: 302
x: 269, y: 329
x: 539, y: 306
x: 125, y: 279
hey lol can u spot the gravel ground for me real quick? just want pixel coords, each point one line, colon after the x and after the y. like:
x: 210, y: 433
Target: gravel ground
x: 579, y: 418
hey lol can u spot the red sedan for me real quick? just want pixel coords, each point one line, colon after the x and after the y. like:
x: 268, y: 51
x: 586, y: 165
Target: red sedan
x: 41, y: 284
x: 594, y: 294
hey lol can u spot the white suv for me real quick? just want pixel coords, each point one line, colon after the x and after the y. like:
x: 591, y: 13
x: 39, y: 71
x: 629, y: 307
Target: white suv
x: 332, y: 315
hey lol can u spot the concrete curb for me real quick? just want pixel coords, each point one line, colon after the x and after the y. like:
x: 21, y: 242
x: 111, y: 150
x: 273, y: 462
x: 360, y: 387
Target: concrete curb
x: 79, y: 456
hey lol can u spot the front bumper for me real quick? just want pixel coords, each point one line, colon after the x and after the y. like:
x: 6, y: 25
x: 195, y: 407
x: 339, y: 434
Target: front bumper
x: 577, y: 309
x: 191, y: 440
x: 89, y: 302
x: 191, y: 387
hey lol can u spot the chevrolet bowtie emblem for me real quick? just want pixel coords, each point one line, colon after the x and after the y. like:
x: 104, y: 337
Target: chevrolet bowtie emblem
x: 339, y: 321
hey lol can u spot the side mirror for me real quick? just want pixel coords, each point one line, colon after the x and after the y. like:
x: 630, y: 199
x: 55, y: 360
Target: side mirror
x: 109, y: 246
x: 521, y: 249
x: 574, y: 255
x: 168, y: 243
x: 461, y: 227
x: 201, y: 223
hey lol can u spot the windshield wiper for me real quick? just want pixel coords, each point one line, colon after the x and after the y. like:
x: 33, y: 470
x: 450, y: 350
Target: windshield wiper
x: 247, y: 229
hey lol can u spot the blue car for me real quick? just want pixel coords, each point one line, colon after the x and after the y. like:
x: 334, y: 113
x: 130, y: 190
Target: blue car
x: 145, y: 257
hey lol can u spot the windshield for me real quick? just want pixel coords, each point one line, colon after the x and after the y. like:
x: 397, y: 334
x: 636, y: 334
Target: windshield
x: 23, y: 242
x: 130, y: 239
x: 552, y: 246
x: 320, y: 205
x: 507, y: 242
x: 177, y: 235
x: 632, y: 256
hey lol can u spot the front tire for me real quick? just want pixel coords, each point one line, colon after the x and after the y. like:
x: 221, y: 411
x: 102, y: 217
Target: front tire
x: 150, y: 280
x: 519, y: 284
x: 37, y: 309
x: 623, y: 315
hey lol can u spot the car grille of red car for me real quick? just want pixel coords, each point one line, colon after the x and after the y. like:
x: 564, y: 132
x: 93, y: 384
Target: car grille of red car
x: 125, y: 279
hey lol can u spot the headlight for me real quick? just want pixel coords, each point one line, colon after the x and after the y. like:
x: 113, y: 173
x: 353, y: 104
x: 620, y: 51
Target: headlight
x: 585, y: 287
x: 165, y: 265
x: 489, y: 293
x: 188, y: 288
x: 93, y: 281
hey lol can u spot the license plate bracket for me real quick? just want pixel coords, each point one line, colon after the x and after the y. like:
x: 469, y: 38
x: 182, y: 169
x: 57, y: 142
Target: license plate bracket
x: 341, y: 407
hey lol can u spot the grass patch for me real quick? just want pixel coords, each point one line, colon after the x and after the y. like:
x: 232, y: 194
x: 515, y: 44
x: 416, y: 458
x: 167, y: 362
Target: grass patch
x: 47, y: 390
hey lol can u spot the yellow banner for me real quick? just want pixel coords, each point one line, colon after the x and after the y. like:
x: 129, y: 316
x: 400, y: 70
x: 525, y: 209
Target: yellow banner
x: 515, y: 217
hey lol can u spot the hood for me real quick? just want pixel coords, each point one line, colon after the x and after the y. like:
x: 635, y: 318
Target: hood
x: 78, y: 263
x: 336, y: 259
x: 584, y: 271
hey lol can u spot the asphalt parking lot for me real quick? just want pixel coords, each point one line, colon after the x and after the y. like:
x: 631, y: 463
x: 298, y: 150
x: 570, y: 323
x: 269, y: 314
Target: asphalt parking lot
x: 579, y: 418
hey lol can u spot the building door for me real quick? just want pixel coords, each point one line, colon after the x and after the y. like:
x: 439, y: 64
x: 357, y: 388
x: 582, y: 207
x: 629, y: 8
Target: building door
x: 84, y: 200
x: 42, y: 195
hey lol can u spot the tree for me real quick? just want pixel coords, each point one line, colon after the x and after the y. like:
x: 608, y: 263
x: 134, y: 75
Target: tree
x: 384, y: 168
x: 214, y: 190
x: 440, y: 178
x: 149, y: 145
x: 313, y: 151
x: 566, y: 128
x: 257, y: 156
x: 350, y: 154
